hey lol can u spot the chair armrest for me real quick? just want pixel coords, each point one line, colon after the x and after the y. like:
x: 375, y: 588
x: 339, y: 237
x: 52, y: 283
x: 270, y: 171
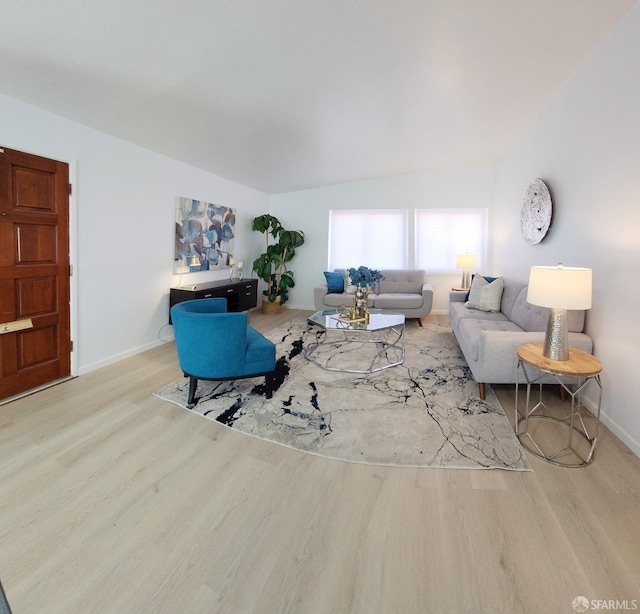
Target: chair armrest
x: 427, y: 296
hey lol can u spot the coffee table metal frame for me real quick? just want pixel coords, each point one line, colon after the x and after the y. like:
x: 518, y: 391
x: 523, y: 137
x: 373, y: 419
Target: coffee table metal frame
x: 384, y: 331
x: 534, y: 368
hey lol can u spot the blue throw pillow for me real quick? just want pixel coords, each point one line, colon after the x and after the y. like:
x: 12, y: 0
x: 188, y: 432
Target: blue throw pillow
x: 489, y: 279
x: 335, y: 282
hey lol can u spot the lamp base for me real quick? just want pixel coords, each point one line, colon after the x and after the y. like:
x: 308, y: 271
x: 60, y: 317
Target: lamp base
x: 466, y: 279
x: 556, y: 339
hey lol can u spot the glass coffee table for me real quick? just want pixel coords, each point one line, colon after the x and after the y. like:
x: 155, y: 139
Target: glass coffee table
x: 355, y: 346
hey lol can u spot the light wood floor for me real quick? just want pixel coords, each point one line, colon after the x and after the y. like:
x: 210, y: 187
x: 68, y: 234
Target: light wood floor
x: 112, y: 500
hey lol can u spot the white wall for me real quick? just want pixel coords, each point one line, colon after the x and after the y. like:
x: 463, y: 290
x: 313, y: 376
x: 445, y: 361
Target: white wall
x: 124, y: 203
x: 308, y: 210
x: 586, y: 146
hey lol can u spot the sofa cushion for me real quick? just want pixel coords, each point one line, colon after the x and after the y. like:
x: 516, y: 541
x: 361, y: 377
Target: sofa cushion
x: 531, y: 318
x: 335, y: 281
x: 472, y: 329
x: 338, y: 300
x: 345, y: 300
x: 260, y: 353
x: 459, y: 312
x: 484, y: 295
x: 401, y: 281
x: 575, y: 320
x: 512, y: 290
x: 398, y: 300
x: 534, y: 318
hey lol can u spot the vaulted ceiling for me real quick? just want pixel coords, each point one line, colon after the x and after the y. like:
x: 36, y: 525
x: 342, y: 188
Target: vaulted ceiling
x: 281, y: 95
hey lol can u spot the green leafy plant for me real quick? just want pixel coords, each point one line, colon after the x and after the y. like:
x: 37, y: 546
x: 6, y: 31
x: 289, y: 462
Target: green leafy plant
x: 271, y: 266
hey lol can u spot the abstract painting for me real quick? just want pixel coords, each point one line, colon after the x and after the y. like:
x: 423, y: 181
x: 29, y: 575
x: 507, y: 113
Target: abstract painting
x: 204, y: 236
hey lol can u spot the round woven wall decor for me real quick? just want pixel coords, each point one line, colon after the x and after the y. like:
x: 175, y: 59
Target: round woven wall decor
x: 535, y: 217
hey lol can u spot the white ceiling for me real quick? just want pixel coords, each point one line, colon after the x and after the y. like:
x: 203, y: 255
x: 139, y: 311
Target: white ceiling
x: 282, y: 95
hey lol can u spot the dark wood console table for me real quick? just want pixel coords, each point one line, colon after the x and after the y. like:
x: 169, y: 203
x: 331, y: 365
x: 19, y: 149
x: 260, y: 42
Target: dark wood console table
x: 241, y: 295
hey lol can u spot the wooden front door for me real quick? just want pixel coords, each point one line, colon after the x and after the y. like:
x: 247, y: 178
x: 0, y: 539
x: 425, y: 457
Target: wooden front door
x: 35, y: 346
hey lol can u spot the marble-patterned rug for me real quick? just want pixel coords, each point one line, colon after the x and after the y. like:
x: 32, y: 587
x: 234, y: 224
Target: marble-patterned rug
x: 423, y: 413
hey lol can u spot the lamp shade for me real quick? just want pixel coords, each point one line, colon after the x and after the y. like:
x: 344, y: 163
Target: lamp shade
x: 466, y: 261
x: 560, y: 287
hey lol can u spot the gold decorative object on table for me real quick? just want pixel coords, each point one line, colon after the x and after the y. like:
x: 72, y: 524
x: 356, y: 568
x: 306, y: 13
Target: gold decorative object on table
x: 347, y: 316
x: 364, y: 279
x: 357, y: 314
x: 360, y: 303
x: 346, y: 321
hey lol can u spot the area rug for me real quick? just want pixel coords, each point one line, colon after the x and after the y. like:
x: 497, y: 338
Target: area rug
x: 423, y: 413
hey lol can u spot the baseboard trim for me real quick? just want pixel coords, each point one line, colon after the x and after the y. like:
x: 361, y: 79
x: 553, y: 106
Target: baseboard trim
x: 612, y: 425
x: 622, y: 435
x: 118, y: 357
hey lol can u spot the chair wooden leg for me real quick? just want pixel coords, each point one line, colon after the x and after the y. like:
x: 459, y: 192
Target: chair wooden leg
x: 193, y: 384
x: 482, y: 390
x: 419, y: 322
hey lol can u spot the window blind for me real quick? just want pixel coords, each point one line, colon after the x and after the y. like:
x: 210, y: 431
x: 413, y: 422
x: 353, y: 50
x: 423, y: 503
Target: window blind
x: 376, y: 238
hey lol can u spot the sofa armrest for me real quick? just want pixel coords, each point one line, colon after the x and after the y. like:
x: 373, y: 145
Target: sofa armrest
x: 318, y: 297
x: 455, y: 296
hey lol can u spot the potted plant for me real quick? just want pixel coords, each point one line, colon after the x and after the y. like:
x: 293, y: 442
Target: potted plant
x: 271, y: 266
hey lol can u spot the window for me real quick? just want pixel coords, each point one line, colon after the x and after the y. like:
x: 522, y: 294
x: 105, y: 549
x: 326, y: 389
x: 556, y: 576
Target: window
x: 376, y: 238
x: 441, y: 234
x: 379, y: 238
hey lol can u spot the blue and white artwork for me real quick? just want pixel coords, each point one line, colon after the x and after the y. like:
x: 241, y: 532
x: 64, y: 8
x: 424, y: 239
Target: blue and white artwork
x: 204, y: 236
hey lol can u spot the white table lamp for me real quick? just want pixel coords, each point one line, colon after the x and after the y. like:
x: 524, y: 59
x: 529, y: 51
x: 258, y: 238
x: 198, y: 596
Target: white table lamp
x: 466, y: 262
x: 560, y: 288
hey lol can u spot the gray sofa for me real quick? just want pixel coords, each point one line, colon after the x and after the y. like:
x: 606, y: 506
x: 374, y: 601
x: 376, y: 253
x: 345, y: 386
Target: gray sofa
x: 401, y: 291
x: 489, y: 340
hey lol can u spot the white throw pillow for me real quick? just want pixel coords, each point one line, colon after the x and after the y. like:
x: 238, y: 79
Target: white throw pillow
x: 485, y: 296
x: 349, y: 288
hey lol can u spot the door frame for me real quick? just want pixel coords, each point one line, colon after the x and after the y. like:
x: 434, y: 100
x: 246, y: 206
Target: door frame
x: 73, y: 250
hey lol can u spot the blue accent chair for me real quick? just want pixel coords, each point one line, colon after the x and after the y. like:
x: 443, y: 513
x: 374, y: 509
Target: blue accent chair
x: 215, y: 345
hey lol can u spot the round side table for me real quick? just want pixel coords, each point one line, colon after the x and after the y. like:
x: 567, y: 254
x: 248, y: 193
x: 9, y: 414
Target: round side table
x: 573, y: 375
